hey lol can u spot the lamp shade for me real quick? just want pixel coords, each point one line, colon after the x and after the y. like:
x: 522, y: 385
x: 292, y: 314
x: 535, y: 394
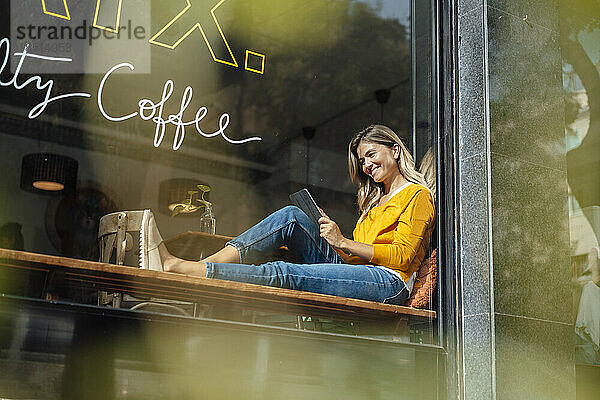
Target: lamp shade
x: 48, y: 173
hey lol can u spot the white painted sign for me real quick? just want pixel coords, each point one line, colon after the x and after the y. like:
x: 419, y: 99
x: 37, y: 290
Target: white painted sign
x: 147, y: 109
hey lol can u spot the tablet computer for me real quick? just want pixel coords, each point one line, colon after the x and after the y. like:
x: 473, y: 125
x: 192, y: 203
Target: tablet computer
x: 304, y: 201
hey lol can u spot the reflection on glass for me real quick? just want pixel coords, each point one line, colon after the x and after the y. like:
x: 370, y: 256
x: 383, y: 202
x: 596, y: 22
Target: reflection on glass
x: 252, y: 98
x: 580, y: 38
x: 587, y: 325
x: 256, y: 100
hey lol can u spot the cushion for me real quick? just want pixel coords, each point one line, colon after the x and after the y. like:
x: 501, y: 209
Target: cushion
x: 427, y: 275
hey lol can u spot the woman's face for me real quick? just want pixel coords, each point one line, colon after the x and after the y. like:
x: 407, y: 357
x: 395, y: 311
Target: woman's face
x: 378, y: 161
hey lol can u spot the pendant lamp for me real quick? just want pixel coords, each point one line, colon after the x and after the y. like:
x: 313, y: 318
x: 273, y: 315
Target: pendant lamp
x: 48, y: 173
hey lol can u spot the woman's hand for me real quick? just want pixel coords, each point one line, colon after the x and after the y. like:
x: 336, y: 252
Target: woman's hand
x: 344, y: 247
x: 331, y: 232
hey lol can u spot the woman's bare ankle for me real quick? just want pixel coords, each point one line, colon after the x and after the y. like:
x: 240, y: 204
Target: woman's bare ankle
x: 185, y: 267
x: 228, y: 254
x: 170, y: 263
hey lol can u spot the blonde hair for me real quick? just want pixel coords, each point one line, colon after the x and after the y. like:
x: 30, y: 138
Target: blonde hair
x: 369, y: 191
x: 427, y: 168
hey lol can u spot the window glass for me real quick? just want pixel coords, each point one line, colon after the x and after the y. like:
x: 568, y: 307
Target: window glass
x: 580, y: 33
x: 209, y: 115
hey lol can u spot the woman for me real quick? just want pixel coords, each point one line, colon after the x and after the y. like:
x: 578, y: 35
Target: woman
x: 390, y: 238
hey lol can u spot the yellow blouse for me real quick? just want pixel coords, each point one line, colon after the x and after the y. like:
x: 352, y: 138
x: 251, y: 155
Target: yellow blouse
x: 399, y: 230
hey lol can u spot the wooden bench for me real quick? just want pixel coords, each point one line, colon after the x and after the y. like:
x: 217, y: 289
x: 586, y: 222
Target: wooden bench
x: 46, y: 275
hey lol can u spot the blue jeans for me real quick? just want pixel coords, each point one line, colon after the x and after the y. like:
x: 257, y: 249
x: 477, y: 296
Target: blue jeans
x: 321, y: 269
